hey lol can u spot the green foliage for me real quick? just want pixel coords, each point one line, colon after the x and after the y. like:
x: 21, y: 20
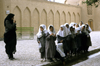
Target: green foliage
x: 92, y: 2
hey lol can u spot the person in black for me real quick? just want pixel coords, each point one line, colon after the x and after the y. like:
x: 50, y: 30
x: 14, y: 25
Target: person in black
x: 88, y: 31
x: 84, y: 38
x: 72, y: 36
x: 10, y: 35
x: 78, y: 39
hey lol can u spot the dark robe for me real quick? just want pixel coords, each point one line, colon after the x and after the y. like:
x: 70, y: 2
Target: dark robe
x: 10, y: 37
x: 65, y: 47
x: 78, y: 42
x: 50, y: 46
x: 73, y: 45
x: 84, y: 40
x: 88, y: 41
x: 68, y: 45
x: 42, y: 41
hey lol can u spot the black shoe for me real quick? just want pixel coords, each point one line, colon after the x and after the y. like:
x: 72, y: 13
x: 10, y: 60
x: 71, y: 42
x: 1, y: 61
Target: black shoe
x: 11, y: 58
x: 49, y: 60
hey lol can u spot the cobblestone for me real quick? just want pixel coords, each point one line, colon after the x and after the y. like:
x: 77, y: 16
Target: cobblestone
x: 28, y: 54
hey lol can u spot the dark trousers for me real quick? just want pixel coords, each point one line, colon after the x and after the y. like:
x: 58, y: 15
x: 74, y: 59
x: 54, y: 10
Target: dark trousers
x: 42, y: 55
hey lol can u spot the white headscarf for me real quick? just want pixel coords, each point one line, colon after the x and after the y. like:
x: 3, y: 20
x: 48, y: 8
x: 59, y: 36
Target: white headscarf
x: 72, y: 24
x: 66, y: 24
x: 62, y: 33
x: 77, y: 29
x: 81, y: 22
x: 50, y: 32
x: 72, y: 32
x: 88, y: 27
x: 39, y: 34
x: 76, y: 25
x: 67, y: 30
x: 83, y: 25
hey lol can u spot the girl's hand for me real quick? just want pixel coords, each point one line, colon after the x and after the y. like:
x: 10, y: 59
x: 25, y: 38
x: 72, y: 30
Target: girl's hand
x: 51, y: 34
x: 55, y: 35
x: 38, y: 41
x: 61, y: 41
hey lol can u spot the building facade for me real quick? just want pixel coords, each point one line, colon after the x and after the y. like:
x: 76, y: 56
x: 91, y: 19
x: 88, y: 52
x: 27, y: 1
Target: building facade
x: 32, y: 13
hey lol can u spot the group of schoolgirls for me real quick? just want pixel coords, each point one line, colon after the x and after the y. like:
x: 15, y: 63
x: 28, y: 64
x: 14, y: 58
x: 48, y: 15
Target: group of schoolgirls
x: 70, y: 40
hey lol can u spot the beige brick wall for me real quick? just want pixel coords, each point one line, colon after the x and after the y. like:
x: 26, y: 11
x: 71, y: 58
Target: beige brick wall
x: 32, y: 13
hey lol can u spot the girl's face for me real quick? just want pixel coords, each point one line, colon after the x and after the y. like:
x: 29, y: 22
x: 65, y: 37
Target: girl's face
x: 67, y: 26
x: 51, y: 29
x: 74, y: 24
x: 61, y: 29
x: 77, y: 25
x: 83, y: 27
x: 41, y: 28
x: 81, y: 23
x: 71, y: 29
x: 87, y: 26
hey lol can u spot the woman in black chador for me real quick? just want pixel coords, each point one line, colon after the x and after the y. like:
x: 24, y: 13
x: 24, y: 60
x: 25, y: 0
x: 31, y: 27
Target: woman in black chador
x: 10, y: 35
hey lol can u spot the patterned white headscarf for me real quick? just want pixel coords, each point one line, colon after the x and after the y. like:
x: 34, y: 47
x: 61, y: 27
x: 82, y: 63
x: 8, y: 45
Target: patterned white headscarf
x: 50, y: 32
x: 62, y: 33
x: 67, y: 30
x: 39, y: 34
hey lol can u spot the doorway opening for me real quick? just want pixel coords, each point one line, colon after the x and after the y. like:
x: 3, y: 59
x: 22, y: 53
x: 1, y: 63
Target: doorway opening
x: 90, y: 23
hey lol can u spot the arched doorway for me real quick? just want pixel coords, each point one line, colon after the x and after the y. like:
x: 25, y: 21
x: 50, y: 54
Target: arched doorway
x: 90, y: 22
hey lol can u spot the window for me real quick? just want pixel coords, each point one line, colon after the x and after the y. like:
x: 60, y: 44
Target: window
x: 89, y: 10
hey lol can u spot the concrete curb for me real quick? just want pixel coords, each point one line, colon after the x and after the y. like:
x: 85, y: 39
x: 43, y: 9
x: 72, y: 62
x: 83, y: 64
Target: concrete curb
x: 73, y: 59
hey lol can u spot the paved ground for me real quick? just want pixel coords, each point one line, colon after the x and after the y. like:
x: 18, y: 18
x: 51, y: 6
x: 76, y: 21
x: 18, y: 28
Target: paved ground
x: 95, y: 38
x: 28, y: 54
x: 93, y: 60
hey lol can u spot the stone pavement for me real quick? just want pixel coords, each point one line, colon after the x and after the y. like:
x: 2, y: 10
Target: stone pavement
x: 95, y: 38
x: 94, y: 61
x: 28, y: 54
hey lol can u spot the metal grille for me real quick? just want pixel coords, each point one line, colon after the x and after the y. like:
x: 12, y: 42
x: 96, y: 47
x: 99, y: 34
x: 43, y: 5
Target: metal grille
x: 25, y: 32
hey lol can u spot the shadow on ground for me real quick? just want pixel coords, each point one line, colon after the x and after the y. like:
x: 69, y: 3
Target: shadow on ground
x: 76, y: 59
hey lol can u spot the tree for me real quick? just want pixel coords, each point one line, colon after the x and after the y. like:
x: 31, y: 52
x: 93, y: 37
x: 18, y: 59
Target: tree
x: 92, y: 2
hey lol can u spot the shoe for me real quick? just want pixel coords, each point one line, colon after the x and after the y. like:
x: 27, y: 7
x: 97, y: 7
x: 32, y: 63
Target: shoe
x: 49, y: 60
x: 54, y: 60
x: 11, y: 58
x: 44, y: 60
x: 41, y: 60
x: 63, y: 63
